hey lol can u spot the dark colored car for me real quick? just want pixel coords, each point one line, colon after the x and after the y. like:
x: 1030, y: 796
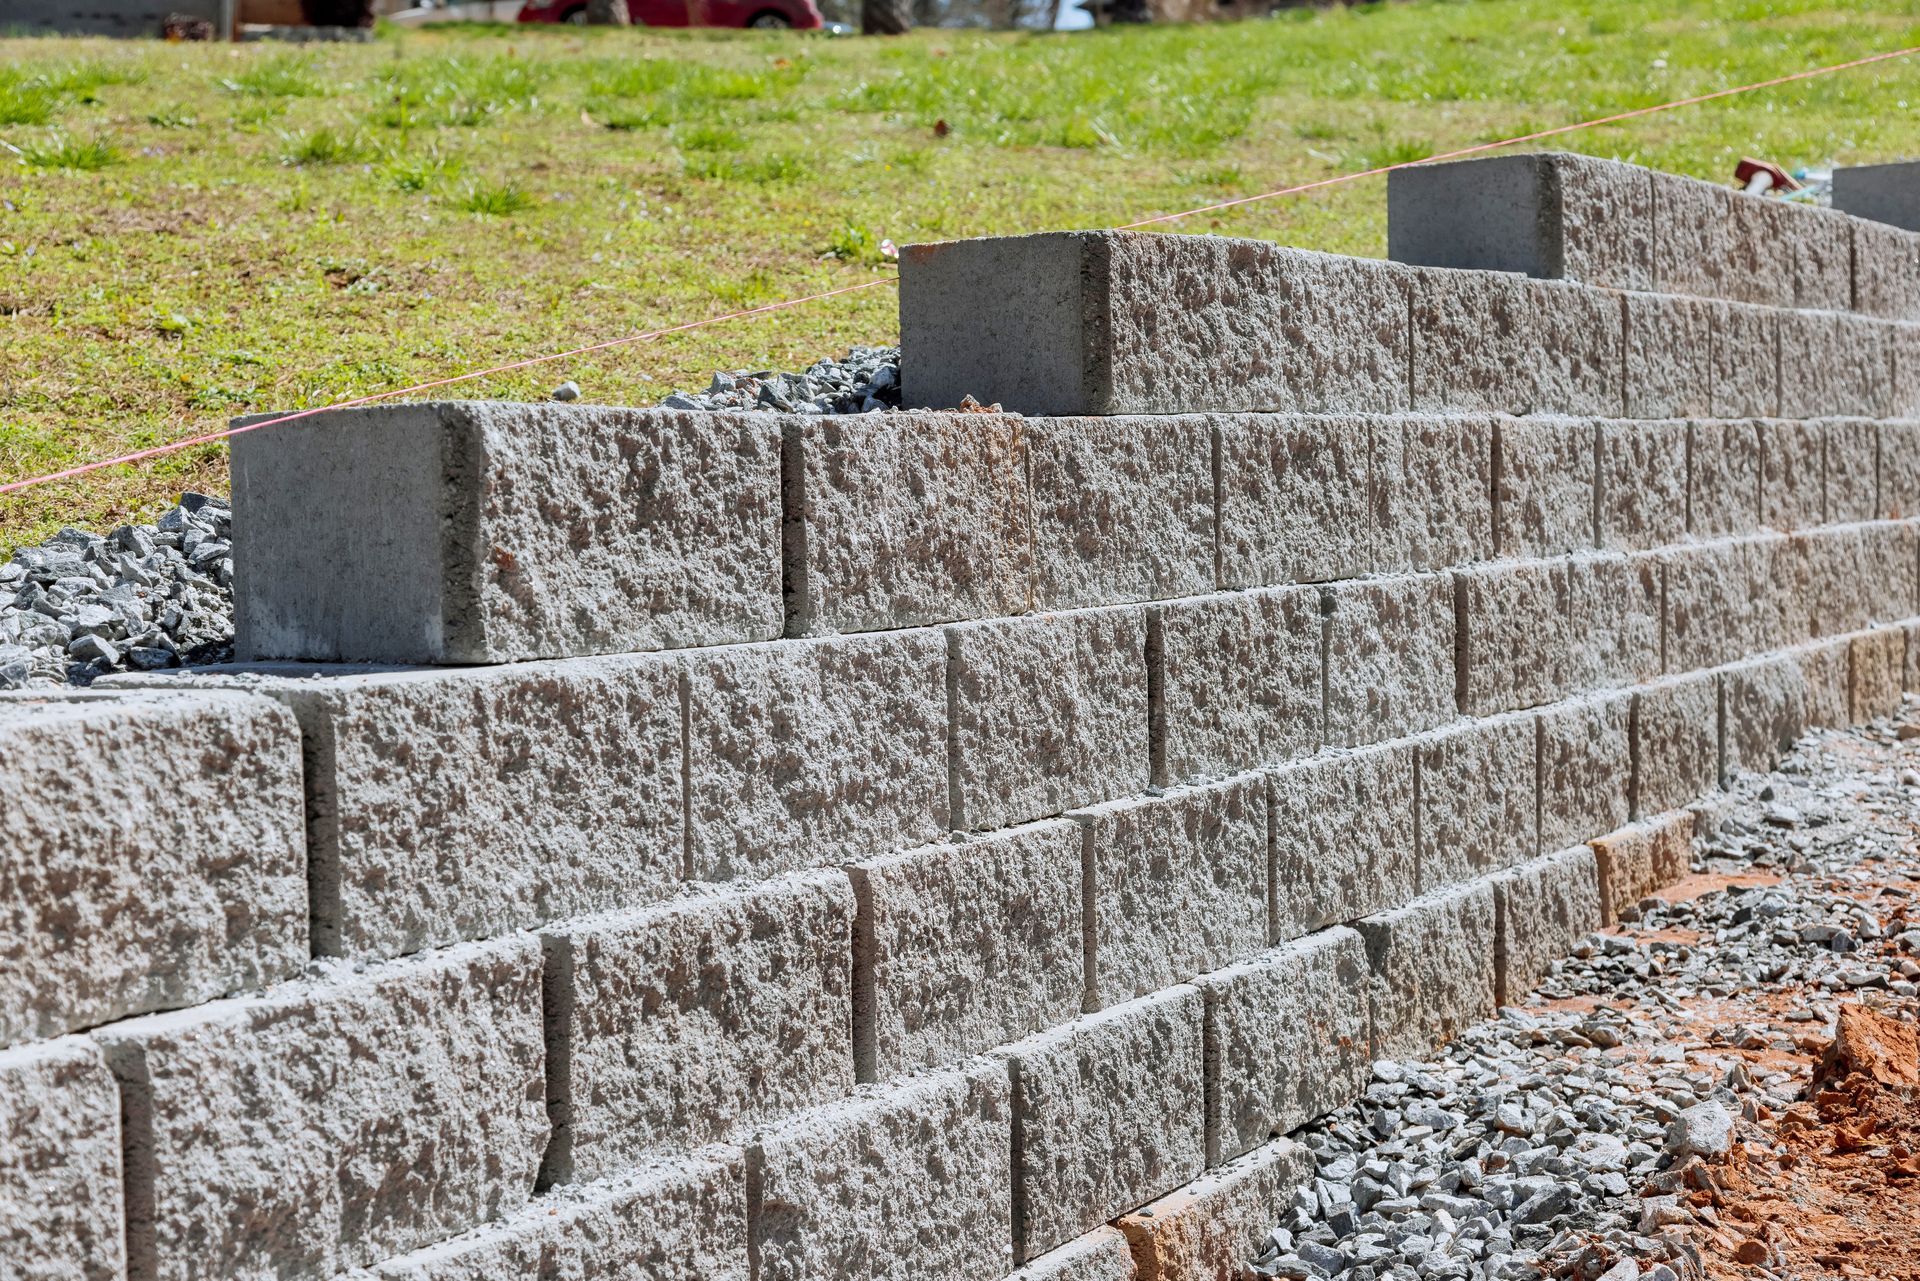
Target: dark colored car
x: 798, y: 14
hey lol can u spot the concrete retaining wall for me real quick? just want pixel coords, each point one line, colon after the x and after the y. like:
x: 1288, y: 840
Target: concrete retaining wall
x: 922, y: 845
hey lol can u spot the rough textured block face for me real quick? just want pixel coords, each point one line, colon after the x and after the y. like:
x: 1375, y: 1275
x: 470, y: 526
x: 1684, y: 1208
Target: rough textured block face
x: 1210, y: 1229
x: 1109, y: 1114
x: 900, y: 521
x: 1545, y: 907
x: 1616, y: 629
x: 1876, y: 673
x: 1101, y: 1255
x: 1122, y: 509
x: 1239, y: 680
x: 685, y: 1023
x: 331, y: 1125
x: 1390, y: 653
x: 965, y: 946
x: 1710, y: 616
x: 1723, y: 478
x: 501, y: 532
x: 1886, y: 270
x: 1433, y: 969
x: 1343, y: 838
x: 174, y: 874
x: 914, y: 1181
x: 1676, y: 743
x: 1431, y: 492
x: 1899, y: 490
x: 60, y: 1194
x: 1515, y: 622
x: 1106, y: 322
x: 1792, y: 474
x: 1669, y: 367
x: 1746, y: 365
x: 1478, y: 800
x: 1885, y: 193
x: 1643, y: 484
x: 1543, y: 501
x: 1176, y: 886
x: 1852, y: 447
x: 1286, y: 1039
x: 1834, y: 364
x: 1635, y: 861
x: 683, y: 1220
x: 806, y: 753
x: 1294, y: 497
x: 1486, y: 342
x: 1764, y: 704
x: 1692, y: 238
x: 1049, y: 713
x: 1586, y: 769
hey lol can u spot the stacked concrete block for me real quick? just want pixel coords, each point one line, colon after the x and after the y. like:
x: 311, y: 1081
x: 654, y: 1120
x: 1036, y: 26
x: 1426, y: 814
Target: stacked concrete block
x: 1294, y: 496
x: 1486, y: 342
x: 1586, y: 768
x: 1239, y: 675
x: 1543, y: 908
x: 1430, y: 491
x: 1390, y: 658
x: 1544, y: 495
x: 1643, y: 485
x: 1343, y: 843
x: 1479, y: 800
x: 1101, y: 1255
x: 1210, y: 1228
x: 61, y: 1199
x: 1433, y: 968
x: 1635, y: 861
x: 1676, y: 742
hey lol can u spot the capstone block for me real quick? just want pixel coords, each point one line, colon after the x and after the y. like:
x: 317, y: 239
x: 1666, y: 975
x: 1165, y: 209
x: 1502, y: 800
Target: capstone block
x: 1212, y: 1227
x: 1888, y: 193
x: 1852, y: 453
x: 1294, y: 497
x: 1792, y: 474
x: 1876, y: 673
x: 1616, y: 620
x: 1831, y: 363
x: 1641, y: 858
x: 1431, y: 492
x: 1669, y: 366
x: 60, y: 1191
x: 1433, y: 969
x: 1886, y: 270
x: 1515, y: 642
x: 1479, y: 798
x: 1643, y: 484
x: 1486, y: 342
x: 1545, y: 906
x: 1723, y: 478
x: 1676, y: 742
x: 1239, y: 680
x: 1586, y: 769
x: 1343, y: 838
x: 1746, y: 361
x: 1543, y: 500
x: 1100, y: 1255
x: 1390, y: 658
x: 1764, y: 710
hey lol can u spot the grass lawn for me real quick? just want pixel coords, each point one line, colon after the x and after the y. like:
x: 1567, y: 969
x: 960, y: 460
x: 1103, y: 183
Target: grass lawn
x: 190, y: 232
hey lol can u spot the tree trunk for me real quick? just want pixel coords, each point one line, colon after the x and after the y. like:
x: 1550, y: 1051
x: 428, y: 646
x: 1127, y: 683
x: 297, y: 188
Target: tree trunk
x: 886, y: 17
x: 608, y: 13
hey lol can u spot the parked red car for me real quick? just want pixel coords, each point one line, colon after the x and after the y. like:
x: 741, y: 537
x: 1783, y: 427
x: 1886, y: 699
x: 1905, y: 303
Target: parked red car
x: 798, y: 14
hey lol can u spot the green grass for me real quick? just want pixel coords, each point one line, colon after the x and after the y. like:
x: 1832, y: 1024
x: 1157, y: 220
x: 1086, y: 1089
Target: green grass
x: 191, y: 232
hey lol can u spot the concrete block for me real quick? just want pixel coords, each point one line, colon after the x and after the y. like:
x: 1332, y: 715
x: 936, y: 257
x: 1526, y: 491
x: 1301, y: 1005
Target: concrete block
x: 754, y: 987
x: 1543, y: 497
x: 1643, y: 484
x: 1239, y: 680
x: 1746, y: 361
x: 1852, y: 452
x: 1676, y: 743
x: 1210, y: 1228
x: 807, y: 753
x: 1109, y: 1113
x: 913, y: 1181
x: 1294, y: 497
x: 1106, y: 322
x: 1709, y: 611
x: 1479, y: 798
x: 1100, y: 1255
x: 1886, y: 270
x: 900, y: 521
x: 1723, y: 478
x: 1286, y: 1038
x: 1832, y: 363
x: 501, y: 532
x: 1552, y: 214
x: 678, y: 1220
x: 1176, y: 885
x: 1545, y: 906
x: 1792, y: 474
x: 1586, y: 769
x: 1641, y: 858
x: 1390, y: 666
x: 1616, y: 620
x: 1343, y: 838
x: 1899, y: 489
x: 333, y: 1124
x: 1486, y: 342
x: 155, y: 854
x: 1826, y: 669
x: 1764, y: 710
x: 1049, y: 713
x: 964, y: 946
x: 1692, y: 241
x: 1433, y: 969
x: 1876, y: 673
x: 1669, y: 356
x: 1514, y: 643
x: 60, y: 1192
x: 1888, y: 193
x: 1122, y: 509
x: 1431, y: 492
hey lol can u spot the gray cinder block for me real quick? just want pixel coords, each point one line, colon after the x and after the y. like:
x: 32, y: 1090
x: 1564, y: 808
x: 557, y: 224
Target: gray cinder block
x: 1852, y: 451
x: 964, y: 946
x: 1514, y: 647
x: 333, y: 1124
x: 1586, y: 768
x: 1792, y: 474
x: 1108, y: 1113
x: 1886, y: 270
x: 1543, y: 498
x: 1676, y: 743
x: 1431, y: 492
x: 1764, y: 708
x: 1835, y: 364
x: 1876, y: 673
x: 1239, y: 679
x: 155, y: 854
x: 1709, y: 615
x: 1432, y: 964
x: 1286, y: 1037
x: 1888, y: 193
x: 913, y: 1181
x: 492, y: 532
x: 1103, y: 322
x: 1669, y: 356
x: 1176, y: 885
x: 1746, y: 361
x: 685, y: 1023
x: 1643, y: 484
x: 1723, y: 478
x: 1390, y: 658
x: 1343, y: 838
x: 1213, y: 1226
x: 1545, y: 907
x: 1486, y: 342
x: 1049, y: 713
x: 1294, y: 497
x: 807, y: 753
x: 60, y: 1192
x: 1641, y: 858
x: 1479, y: 799
x: 903, y: 520
x: 1616, y: 636
x: 1100, y: 1255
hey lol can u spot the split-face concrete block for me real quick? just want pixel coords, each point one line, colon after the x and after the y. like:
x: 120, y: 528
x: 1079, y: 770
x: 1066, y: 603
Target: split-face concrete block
x: 1479, y: 797
x: 1543, y: 500
x: 60, y: 1191
x: 912, y: 1181
x: 1433, y: 969
x: 1792, y: 474
x: 1888, y: 193
x: 1390, y: 658
x: 1103, y: 323
x: 1886, y: 270
x: 1637, y: 860
x: 1287, y: 1039
x: 1294, y: 494
x: 1049, y: 713
x: 1210, y: 1228
x: 1746, y: 361
x: 1826, y: 670
x: 1899, y: 489
x: 333, y: 1124
x: 1343, y: 838
x: 1487, y: 342
x: 1586, y: 769
x: 1430, y: 491
x: 900, y: 521
x: 1514, y: 642
x: 1122, y: 509
x: 807, y: 753
x: 684, y: 1023
x: 1723, y: 478
x: 1764, y: 709
x: 1852, y: 451
x: 1176, y: 885
x: 1239, y: 679
x: 1831, y: 363
x: 1876, y: 673
x: 155, y: 854
x: 1545, y: 907
x: 1709, y: 612
x: 1616, y: 620
x: 1669, y: 365
x: 1643, y: 484
x: 1100, y: 1255
x: 502, y: 532
x: 1109, y: 1113
x: 964, y: 946
x: 1676, y: 742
